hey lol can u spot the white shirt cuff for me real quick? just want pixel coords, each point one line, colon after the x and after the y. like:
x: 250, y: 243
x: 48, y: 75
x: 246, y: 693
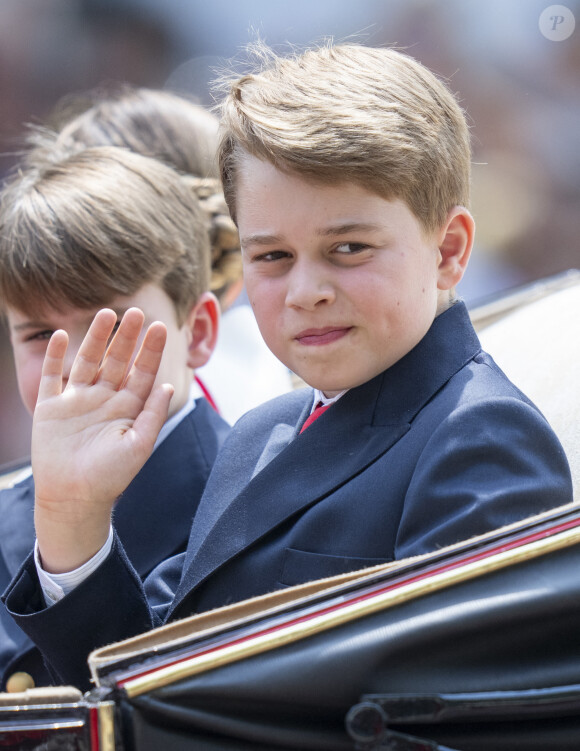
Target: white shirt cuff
x: 56, y: 586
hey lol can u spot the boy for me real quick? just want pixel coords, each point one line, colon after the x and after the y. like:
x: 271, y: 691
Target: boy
x: 346, y: 170
x: 106, y: 227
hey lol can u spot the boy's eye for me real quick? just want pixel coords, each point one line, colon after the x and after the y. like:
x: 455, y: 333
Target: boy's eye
x: 350, y: 248
x: 40, y: 336
x: 272, y: 255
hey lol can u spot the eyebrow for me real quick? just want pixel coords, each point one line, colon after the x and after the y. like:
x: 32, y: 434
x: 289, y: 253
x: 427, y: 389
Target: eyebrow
x: 31, y: 325
x: 333, y: 231
x: 344, y: 229
x: 40, y: 324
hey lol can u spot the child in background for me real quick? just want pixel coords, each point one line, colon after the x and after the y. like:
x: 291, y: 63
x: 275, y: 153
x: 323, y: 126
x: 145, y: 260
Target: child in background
x: 105, y: 227
x: 347, y: 171
x: 242, y: 372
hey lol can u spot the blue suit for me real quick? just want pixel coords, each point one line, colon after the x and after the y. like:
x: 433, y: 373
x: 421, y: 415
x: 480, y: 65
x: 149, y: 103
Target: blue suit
x: 438, y: 448
x: 152, y: 518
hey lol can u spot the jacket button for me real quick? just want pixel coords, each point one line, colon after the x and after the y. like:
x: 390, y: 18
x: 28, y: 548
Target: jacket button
x: 19, y: 682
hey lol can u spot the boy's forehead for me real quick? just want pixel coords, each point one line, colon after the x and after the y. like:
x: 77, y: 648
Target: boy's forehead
x: 253, y: 170
x: 256, y: 175
x: 271, y: 200
x: 39, y: 312
x: 42, y: 313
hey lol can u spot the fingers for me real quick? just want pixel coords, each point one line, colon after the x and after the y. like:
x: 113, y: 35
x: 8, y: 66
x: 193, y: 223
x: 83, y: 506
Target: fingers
x: 121, y: 350
x: 88, y: 360
x: 108, y: 363
x: 150, y: 421
x: 52, y: 367
x: 144, y: 371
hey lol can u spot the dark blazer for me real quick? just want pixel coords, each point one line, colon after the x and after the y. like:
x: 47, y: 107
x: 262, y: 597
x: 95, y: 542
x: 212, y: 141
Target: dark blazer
x: 152, y: 518
x: 438, y: 448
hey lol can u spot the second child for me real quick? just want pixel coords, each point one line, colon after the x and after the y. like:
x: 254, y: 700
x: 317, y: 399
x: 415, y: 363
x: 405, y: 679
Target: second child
x: 105, y: 227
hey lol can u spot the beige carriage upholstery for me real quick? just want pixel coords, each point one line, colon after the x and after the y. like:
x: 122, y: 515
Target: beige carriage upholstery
x: 537, y: 344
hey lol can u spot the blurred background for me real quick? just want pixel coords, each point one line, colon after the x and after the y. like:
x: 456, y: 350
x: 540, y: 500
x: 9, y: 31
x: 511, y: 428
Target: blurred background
x: 514, y: 72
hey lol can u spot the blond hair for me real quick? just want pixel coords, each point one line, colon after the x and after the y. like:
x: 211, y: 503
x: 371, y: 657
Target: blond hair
x: 155, y: 123
x: 375, y: 117
x: 99, y: 224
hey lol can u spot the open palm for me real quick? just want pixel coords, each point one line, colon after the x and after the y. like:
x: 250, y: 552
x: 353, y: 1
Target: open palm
x: 92, y: 436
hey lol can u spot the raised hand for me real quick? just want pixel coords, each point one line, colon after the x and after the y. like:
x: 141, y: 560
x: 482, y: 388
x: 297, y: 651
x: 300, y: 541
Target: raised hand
x: 92, y: 435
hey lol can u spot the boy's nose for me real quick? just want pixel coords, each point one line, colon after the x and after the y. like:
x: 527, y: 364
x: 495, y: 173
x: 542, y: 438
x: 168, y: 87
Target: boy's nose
x: 309, y: 287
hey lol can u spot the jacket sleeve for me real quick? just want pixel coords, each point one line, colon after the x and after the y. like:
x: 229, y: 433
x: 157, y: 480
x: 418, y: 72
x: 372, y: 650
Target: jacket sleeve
x: 486, y: 465
x: 111, y: 605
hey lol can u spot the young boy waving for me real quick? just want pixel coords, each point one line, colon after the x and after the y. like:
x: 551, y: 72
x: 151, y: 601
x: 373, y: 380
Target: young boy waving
x: 107, y: 227
x: 346, y: 170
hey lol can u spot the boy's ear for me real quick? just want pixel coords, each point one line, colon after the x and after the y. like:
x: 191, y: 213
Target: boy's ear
x: 203, y: 324
x: 455, y: 241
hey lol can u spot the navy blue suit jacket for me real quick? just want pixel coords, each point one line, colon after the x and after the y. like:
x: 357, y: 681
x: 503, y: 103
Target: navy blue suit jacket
x: 438, y: 448
x: 152, y: 519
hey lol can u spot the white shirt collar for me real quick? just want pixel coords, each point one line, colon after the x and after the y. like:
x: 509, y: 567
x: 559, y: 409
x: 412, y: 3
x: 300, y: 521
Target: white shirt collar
x: 320, y: 398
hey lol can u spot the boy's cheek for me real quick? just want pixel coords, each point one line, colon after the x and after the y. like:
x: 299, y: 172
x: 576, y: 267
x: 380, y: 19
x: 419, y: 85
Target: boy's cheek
x: 28, y: 372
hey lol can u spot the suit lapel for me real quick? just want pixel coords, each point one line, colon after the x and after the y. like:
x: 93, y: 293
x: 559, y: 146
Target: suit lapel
x: 153, y: 516
x: 310, y: 466
x: 239, y: 459
x: 363, y: 425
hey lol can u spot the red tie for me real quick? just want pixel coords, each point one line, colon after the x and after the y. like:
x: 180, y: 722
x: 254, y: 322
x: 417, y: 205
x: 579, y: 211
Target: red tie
x: 314, y: 415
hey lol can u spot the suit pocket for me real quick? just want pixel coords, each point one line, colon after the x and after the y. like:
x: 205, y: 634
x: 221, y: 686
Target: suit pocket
x: 300, y: 566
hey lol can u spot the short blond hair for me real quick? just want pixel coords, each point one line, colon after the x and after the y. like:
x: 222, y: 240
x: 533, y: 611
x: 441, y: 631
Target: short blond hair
x: 372, y: 116
x: 99, y: 224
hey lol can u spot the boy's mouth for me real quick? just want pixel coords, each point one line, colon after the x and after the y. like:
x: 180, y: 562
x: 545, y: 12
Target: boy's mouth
x: 313, y: 337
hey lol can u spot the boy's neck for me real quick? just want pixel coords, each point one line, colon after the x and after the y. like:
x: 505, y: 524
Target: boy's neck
x: 446, y: 302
